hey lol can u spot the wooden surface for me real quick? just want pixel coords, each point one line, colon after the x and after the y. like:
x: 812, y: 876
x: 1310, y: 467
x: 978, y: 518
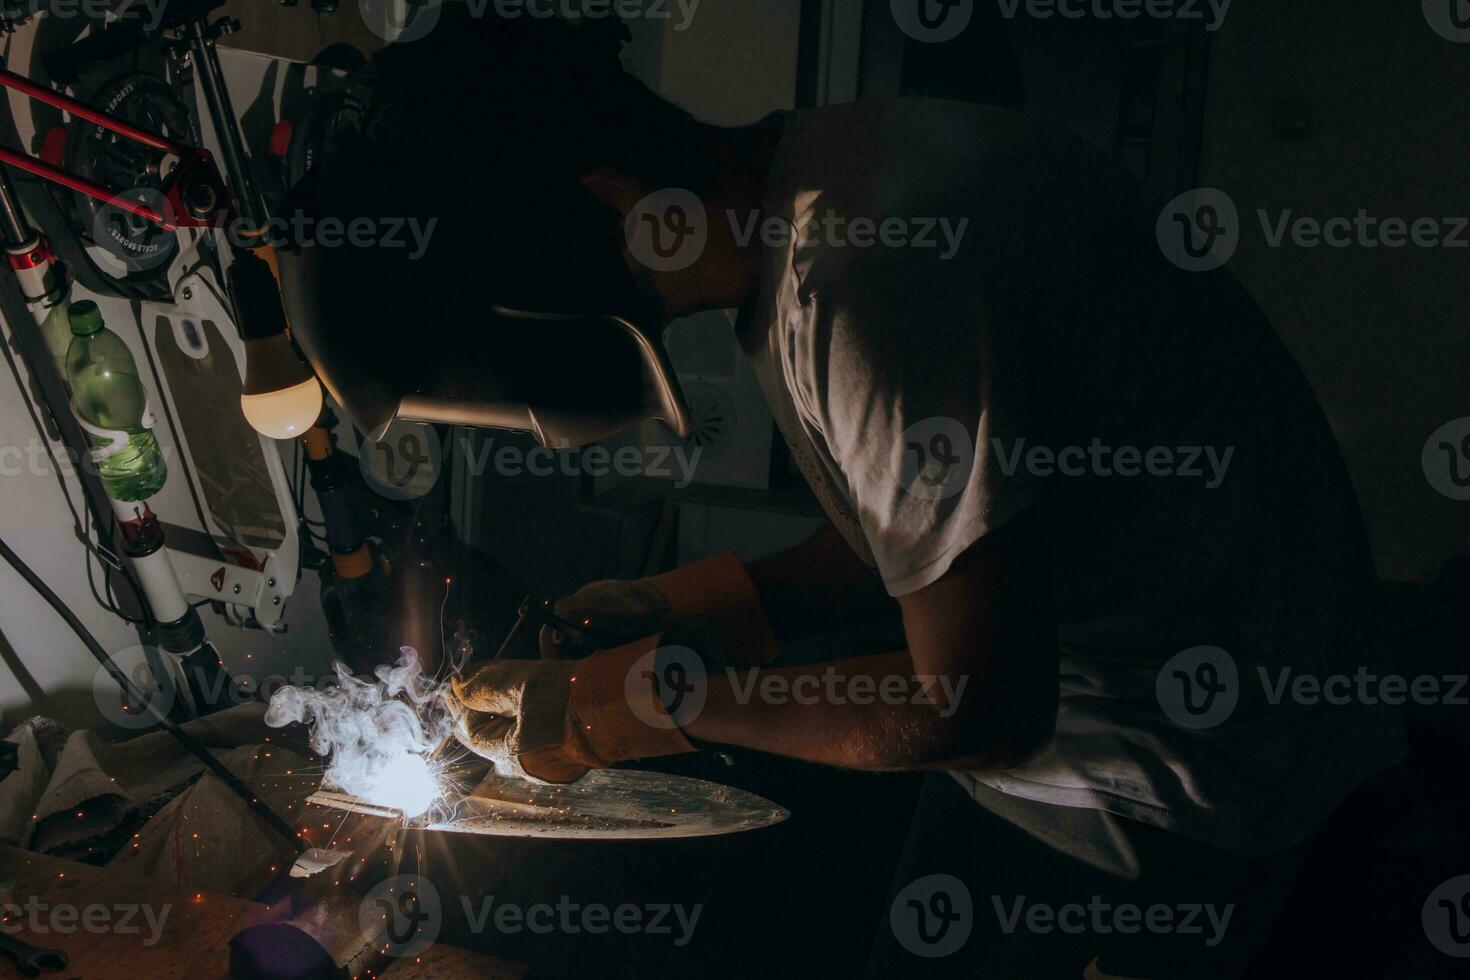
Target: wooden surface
x: 192, y: 943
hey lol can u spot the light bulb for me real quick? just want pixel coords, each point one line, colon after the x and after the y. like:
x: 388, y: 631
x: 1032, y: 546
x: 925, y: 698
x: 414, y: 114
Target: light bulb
x: 281, y: 398
x: 284, y: 414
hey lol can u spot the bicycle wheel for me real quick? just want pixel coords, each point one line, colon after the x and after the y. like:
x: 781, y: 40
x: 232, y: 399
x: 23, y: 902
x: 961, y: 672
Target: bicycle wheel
x: 140, y: 250
x: 328, y: 118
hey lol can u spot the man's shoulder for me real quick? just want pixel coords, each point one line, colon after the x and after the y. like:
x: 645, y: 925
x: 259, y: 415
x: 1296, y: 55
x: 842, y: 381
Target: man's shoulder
x: 925, y: 183
x: 889, y: 156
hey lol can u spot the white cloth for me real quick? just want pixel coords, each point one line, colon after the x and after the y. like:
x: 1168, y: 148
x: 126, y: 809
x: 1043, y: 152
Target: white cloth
x: 1057, y: 324
x: 23, y: 788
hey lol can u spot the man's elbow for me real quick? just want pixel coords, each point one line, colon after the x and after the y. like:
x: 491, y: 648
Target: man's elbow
x: 998, y: 748
x: 1006, y: 750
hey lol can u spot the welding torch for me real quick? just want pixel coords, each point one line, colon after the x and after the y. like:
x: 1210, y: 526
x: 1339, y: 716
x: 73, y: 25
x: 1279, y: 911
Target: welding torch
x: 542, y: 612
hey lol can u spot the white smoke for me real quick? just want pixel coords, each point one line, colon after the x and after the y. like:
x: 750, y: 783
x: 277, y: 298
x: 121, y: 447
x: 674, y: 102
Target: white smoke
x: 381, y: 736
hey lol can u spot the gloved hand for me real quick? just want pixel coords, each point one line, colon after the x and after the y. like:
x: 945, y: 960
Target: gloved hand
x: 718, y: 590
x: 553, y: 721
x: 613, y: 611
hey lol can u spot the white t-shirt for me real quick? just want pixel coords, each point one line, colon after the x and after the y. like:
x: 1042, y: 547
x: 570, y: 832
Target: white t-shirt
x: 968, y: 317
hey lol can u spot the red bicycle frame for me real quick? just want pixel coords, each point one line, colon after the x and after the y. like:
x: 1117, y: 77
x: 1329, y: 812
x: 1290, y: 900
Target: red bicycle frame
x: 196, y: 193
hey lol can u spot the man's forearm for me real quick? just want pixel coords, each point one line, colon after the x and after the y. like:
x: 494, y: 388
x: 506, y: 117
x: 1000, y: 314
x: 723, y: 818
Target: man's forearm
x: 819, y: 581
x: 866, y: 713
x: 982, y: 640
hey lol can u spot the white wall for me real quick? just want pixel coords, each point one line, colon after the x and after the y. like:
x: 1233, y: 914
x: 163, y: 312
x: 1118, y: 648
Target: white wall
x: 1380, y: 332
x: 733, y: 62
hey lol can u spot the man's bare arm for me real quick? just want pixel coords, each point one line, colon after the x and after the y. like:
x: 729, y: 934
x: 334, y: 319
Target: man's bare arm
x: 820, y: 580
x: 983, y: 635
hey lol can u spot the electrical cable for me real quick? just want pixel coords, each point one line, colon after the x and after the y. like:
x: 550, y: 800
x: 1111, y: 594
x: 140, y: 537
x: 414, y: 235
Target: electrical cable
x: 298, y: 474
x: 25, y: 395
x: 298, y: 477
x: 106, y: 600
x: 79, y: 526
x: 105, y: 603
x: 146, y: 620
x: 136, y: 696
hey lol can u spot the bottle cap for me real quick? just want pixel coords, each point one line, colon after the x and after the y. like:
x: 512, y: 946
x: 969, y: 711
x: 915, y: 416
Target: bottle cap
x: 85, y: 318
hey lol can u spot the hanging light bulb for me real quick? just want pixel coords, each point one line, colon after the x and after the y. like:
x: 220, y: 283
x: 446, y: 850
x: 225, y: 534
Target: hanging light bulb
x: 281, y: 398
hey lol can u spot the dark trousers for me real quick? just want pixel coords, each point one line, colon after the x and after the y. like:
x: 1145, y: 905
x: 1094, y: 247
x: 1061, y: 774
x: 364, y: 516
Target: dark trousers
x: 1009, y: 888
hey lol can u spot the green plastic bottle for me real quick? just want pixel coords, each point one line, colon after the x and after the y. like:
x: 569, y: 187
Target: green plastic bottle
x: 112, y: 406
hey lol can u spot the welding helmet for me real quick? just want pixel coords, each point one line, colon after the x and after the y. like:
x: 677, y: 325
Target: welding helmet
x: 565, y: 373
x: 418, y: 322
x: 442, y: 268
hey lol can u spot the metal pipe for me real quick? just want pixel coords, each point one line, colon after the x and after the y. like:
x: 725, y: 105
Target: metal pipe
x: 13, y: 224
x: 81, y: 110
x: 84, y: 186
x: 227, y: 131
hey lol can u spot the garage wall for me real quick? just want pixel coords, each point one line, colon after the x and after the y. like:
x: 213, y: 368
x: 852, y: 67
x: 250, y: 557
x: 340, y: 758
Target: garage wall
x: 1379, y: 331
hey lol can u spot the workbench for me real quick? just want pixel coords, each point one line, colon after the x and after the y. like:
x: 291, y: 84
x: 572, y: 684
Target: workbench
x: 190, y: 941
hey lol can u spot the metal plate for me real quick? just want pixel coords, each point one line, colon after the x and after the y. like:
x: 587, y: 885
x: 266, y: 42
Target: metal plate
x: 612, y: 804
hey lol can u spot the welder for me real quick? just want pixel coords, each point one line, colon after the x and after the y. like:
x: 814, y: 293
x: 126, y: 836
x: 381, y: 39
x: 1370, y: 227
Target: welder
x: 1087, y: 647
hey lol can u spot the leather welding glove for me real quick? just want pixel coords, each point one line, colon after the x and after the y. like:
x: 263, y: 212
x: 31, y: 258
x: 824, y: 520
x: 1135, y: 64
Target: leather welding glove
x: 718, y: 590
x: 552, y: 721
